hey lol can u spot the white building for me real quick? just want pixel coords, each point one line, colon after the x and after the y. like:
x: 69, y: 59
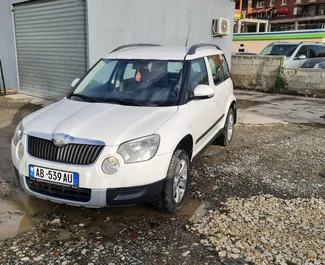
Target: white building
x: 45, y: 44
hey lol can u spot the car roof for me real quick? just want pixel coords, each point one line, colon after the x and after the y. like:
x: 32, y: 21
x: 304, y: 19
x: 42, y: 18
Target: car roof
x: 162, y: 53
x: 285, y: 43
x: 298, y: 43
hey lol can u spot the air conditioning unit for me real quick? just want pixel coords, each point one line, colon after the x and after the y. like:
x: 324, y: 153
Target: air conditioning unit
x: 220, y: 27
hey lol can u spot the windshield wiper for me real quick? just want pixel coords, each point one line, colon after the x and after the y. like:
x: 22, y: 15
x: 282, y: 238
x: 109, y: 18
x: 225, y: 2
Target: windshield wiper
x: 89, y: 99
x: 122, y: 102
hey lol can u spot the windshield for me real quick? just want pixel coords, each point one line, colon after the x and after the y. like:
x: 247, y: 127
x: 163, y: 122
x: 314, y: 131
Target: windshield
x: 132, y: 82
x: 279, y: 49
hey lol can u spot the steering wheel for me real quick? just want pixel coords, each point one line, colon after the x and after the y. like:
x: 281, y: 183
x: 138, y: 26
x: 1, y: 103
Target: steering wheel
x: 174, y: 94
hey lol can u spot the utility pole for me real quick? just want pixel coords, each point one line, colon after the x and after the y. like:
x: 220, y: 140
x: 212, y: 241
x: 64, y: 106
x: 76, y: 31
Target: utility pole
x: 240, y: 7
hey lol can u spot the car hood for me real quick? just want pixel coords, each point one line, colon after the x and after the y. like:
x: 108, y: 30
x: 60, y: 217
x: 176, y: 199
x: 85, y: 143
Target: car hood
x: 110, y: 123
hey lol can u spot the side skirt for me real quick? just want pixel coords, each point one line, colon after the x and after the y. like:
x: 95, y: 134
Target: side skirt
x: 218, y: 134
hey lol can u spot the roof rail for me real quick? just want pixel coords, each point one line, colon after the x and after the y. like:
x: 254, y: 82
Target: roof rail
x: 134, y: 45
x: 311, y: 42
x: 193, y: 48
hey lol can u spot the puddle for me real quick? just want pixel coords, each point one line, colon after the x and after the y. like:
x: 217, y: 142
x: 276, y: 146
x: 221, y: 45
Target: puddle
x: 23, y: 212
x: 245, y: 104
x: 12, y: 220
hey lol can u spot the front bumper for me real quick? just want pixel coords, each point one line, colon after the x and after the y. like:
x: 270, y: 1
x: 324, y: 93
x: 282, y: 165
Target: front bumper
x: 132, y: 184
x: 98, y: 198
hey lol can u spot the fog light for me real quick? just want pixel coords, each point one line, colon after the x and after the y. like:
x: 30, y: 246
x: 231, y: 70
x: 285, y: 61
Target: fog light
x: 20, y: 151
x: 110, y: 165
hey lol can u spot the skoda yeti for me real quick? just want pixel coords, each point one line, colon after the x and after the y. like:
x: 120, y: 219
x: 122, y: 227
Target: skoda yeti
x: 127, y: 131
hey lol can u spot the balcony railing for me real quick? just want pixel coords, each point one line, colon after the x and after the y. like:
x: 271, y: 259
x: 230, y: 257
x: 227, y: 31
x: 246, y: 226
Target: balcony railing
x: 310, y: 14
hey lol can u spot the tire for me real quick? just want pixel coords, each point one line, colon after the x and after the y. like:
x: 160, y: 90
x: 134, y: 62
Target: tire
x: 172, y: 197
x: 228, y: 131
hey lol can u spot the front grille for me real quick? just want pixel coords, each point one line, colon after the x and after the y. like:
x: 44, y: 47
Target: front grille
x: 79, y: 154
x: 59, y: 191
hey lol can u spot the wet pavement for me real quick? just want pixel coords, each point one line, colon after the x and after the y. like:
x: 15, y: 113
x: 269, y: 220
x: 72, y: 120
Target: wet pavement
x: 281, y: 108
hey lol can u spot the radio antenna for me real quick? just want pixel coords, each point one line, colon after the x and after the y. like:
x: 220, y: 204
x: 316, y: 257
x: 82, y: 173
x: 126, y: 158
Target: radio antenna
x: 188, y: 34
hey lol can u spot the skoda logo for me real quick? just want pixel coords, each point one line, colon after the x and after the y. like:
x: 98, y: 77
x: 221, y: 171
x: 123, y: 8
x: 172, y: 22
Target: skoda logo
x: 59, y: 140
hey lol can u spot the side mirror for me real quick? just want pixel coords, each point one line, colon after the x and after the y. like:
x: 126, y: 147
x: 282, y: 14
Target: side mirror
x: 203, y: 92
x: 301, y: 57
x: 74, y: 82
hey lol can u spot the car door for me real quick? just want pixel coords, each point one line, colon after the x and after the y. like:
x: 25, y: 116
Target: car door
x: 316, y: 54
x: 220, y: 81
x: 300, y: 57
x: 200, y: 113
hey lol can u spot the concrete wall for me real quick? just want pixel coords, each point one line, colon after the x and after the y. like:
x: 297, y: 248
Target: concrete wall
x: 7, y: 45
x: 112, y: 23
x: 309, y: 82
x: 255, y: 72
x: 261, y: 73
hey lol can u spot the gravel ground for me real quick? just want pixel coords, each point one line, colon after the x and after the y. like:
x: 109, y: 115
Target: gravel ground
x: 266, y: 229
x: 285, y: 161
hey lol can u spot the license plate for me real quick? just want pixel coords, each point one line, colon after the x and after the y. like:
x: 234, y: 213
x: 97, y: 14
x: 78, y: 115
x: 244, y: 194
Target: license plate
x: 53, y: 175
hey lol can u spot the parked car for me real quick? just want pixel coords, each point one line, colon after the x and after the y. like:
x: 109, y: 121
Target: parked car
x: 298, y: 55
x: 320, y: 65
x: 128, y: 130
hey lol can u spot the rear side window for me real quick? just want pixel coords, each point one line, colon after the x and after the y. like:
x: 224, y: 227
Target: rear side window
x: 225, y: 67
x: 199, y: 74
x: 316, y: 51
x: 217, y: 68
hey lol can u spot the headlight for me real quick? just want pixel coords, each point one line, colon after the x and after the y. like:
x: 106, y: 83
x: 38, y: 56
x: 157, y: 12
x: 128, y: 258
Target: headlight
x: 140, y: 149
x: 18, y: 133
x: 110, y: 165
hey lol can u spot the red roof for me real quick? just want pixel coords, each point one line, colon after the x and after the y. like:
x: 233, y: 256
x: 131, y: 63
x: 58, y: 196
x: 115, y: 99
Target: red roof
x: 262, y: 10
x: 268, y: 9
x: 253, y: 12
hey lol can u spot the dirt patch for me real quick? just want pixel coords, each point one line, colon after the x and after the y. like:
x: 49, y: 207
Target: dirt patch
x: 12, y: 112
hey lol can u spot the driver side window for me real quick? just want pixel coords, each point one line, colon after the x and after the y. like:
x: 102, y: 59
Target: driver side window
x: 302, y: 51
x: 199, y: 74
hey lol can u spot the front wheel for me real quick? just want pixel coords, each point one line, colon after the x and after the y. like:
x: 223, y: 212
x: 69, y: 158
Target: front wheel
x: 228, y: 130
x: 176, y: 184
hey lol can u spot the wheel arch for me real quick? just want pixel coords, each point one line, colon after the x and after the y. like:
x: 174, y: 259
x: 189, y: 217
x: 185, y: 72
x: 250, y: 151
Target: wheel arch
x: 186, y: 144
x: 233, y: 106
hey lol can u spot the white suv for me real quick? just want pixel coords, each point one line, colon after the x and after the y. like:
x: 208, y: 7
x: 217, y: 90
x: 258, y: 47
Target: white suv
x: 128, y: 130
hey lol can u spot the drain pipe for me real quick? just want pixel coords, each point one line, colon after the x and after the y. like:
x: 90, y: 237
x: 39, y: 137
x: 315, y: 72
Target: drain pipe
x: 279, y: 75
x: 3, y: 80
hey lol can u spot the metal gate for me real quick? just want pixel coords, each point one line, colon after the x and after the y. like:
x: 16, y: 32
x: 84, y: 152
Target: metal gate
x: 51, y: 45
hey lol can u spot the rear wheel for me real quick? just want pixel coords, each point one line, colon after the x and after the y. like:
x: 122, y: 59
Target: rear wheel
x: 176, y: 184
x: 228, y: 130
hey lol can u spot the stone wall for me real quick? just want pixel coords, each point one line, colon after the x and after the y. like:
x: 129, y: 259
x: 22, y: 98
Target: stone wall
x: 255, y: 72
x: 261, y: 73
x: 301, y: 81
